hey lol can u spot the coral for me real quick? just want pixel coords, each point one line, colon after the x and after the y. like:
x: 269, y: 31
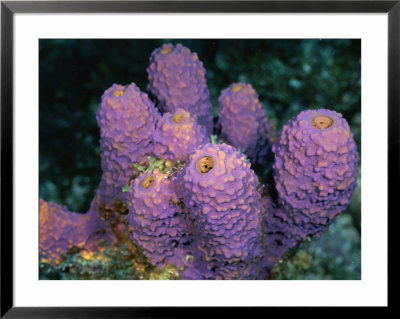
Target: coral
x: 177, y: 79
x: 221, y: 193
x: 127, y: 119
x: 177, y: 135
x: 161, y: 227
x: 171, y: 205
x: 243, y: 123
x: 316, y: 168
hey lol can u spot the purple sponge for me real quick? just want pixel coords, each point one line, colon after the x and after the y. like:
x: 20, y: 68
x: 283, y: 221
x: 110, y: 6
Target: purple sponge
x: 243, y: 122
x: 161, y: 226
x: 61, y: 230
x: 127, y: 119
x: 177, y: 135
x: 221, y: 193
x: 177, y: 80
x: 316, y: 168
x: 280, y: 233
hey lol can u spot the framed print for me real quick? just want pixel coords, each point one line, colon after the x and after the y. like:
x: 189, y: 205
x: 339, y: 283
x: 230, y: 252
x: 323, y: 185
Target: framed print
x: 159, y: 155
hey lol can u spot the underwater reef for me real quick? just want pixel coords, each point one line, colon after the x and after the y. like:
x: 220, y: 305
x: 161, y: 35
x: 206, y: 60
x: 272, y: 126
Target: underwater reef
x: 184, y: 195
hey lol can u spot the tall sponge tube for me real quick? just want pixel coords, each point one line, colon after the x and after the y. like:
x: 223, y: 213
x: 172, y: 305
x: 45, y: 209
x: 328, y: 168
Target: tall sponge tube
x: 243, y: 122
x: 127, y: 119
x: 177, y: 79
x: 221, y: 193
x: 316, y: 168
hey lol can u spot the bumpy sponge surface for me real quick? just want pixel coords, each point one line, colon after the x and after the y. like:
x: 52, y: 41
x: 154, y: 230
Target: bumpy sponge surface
x: 280, y: 233
x: 60, y: 230
x: 161, y: 227
x: 243, y: 122
x: 177, y: 80
x: 221, y: 192
x: 177, y: 135
x: 316, y: 168
x: 127, y: 119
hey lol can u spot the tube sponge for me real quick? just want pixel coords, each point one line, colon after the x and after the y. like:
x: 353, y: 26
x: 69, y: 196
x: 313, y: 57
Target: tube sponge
x: 177, y: 79
x: 127, y: 119
x: 160, y: 226
x: 243, y: 122
x: 280, y: 233
x: 221, y: 193
x: 61, y: 230
x: 177, y: 135
x: 316, y: 168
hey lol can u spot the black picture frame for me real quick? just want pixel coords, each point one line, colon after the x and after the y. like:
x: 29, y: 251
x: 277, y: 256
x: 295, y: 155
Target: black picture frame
x: 9, y: 8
